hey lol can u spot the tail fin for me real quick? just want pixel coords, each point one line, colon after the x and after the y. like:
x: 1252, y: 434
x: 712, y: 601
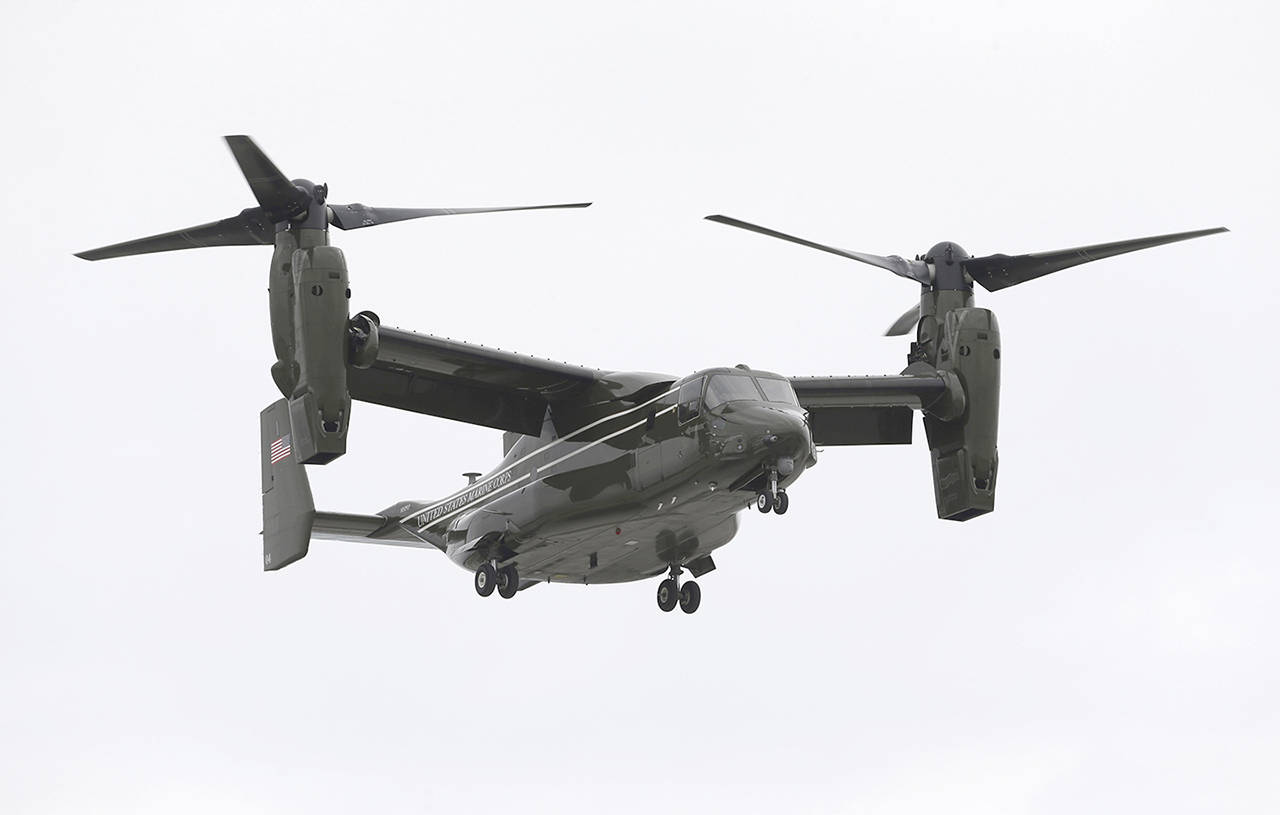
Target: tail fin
x: 288, y: 511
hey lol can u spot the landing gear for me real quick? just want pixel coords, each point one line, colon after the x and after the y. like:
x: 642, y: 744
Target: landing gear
x: 690, y: 597
x: 781, y: 503
x: 671, y: 593
x: 668, y: 594
x: 508, y: 581
x: 772, y: 499
x: 486, y: 580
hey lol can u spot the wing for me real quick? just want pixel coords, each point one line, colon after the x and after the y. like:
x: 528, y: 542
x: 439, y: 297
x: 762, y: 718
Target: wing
x: 866, y: 409
x: 467, y: 383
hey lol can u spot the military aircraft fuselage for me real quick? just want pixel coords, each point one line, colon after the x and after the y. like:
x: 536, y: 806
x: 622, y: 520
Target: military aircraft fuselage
x: 649, y: 483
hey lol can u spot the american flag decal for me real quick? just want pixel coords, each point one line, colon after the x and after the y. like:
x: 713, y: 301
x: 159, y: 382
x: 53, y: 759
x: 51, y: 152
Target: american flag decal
x: 280, y: 449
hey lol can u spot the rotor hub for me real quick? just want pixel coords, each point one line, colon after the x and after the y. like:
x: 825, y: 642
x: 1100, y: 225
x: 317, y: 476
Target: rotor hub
x: 946, y: 254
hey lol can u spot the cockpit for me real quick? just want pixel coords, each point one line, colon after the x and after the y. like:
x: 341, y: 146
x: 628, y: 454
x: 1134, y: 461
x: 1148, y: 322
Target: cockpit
x: 712, y: 390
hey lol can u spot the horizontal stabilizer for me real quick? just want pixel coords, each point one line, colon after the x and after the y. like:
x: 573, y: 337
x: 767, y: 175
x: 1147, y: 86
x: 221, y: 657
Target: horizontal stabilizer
x: 345, y: 526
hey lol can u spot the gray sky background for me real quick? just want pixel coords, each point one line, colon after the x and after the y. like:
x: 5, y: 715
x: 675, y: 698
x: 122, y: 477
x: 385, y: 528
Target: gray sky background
x: 1105, y: 641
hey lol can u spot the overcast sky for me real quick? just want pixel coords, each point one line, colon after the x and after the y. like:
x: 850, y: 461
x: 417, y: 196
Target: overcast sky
x: 1105, y: 641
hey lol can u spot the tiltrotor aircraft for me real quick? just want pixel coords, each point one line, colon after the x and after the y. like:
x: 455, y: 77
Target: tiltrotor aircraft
x: 607, y: 476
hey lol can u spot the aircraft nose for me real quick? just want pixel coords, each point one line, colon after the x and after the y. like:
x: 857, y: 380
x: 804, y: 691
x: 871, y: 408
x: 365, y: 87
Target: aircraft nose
x: 786, y: 433
x: 772, y: 430
x: 761, y: 430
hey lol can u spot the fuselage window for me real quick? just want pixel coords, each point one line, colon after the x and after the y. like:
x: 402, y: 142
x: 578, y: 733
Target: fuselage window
x: 778, y: 390
x: 730, y: 388
x: 690, y: 397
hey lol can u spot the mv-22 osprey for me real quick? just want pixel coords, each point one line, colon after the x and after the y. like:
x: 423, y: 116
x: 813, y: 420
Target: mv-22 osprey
x: 606, y: 476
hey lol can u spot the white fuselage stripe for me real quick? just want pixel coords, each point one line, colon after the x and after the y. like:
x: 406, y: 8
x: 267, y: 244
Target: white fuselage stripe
x: 588, y: 446
x: 481, y: 501
x: 540, y: 450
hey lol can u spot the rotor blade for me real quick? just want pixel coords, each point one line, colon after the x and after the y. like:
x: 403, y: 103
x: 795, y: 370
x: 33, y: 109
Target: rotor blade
x: 910, y: 269
x: 904, y: 323
x: 995, y: 272
x: 355, y: 216
x: 250, y: 227
x: 277, y: 195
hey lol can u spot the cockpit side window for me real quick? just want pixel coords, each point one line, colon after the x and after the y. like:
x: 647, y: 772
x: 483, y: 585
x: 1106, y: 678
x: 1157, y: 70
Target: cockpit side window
x: 778, y: 390
x: 689, y: 400
x: 729, y: 388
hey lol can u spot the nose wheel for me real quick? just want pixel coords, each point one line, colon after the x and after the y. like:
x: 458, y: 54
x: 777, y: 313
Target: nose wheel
x: 781, y: 503
x: 772, y: 499
x: 671, y: 593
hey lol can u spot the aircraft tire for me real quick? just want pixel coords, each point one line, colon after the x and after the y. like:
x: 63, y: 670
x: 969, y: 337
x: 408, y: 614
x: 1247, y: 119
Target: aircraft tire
x: 486, y: 580
x: 764, y: 502
x: 690, y: 597
x: 668, y: 594
x: 508, y: 582
x: 780, y: 506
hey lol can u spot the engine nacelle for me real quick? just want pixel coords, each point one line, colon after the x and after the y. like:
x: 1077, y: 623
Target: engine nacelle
x: 320, y: 407
x: 963, y: 448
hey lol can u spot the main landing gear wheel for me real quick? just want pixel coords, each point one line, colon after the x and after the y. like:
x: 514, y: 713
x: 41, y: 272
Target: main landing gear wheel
x: 668, y: 594
x: 508, y: 582
x: 764, y: 502
x: 486, y: 580
x: 690, y: 597
x: 781, y: 503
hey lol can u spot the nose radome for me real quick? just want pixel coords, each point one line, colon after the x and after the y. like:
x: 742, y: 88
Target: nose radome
x: 784, y: 431
x: 763, y: 431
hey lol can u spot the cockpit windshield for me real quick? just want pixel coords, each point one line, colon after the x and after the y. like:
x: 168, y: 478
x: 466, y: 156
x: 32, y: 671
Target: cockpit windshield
x: 778, y: 390
x: 734, y: 387
x: 729, y: 388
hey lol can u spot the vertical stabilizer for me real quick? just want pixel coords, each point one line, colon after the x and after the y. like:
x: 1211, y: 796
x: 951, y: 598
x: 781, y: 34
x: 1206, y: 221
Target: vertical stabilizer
x: 288, y: 511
